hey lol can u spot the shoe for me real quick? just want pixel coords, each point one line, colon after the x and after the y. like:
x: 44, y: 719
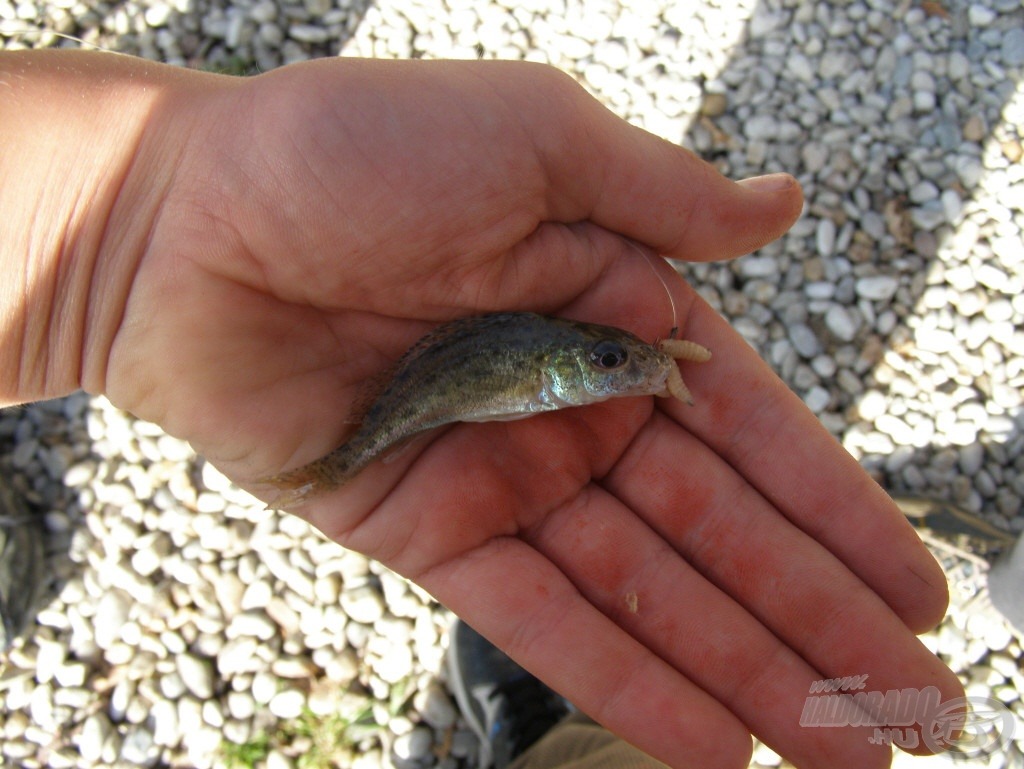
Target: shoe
x: 984, y: 562
x: 955, y: 525
x: 507, y: 707
x: 23, y: 576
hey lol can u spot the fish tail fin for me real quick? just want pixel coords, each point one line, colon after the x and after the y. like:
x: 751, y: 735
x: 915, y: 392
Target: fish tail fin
x: 290, y: 497
x: 300, y: 485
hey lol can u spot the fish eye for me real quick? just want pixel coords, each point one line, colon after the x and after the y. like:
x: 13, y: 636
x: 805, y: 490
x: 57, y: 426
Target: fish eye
x: 608, y: 355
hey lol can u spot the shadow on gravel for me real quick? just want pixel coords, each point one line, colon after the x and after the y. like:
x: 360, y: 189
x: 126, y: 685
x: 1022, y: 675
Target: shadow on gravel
x: 39, y: 444
x: 895, y: 272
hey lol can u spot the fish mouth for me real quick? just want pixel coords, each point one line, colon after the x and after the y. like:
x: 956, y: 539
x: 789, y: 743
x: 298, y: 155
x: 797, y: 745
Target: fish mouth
x: 660, y: 384
x: 657, y: 383
x: 654, y: 381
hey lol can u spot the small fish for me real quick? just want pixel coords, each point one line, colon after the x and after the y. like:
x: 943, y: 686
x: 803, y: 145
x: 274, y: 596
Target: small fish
x: 496, y: 367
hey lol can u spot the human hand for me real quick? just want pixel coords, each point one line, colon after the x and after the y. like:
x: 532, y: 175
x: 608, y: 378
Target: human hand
x: 681, y: 574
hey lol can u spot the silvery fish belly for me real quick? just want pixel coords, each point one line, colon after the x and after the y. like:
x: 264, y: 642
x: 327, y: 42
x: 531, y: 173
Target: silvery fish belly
x: 491, y: 367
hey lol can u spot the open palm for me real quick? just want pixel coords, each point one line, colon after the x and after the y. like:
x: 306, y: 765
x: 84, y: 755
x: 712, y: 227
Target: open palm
x: 682, y: 574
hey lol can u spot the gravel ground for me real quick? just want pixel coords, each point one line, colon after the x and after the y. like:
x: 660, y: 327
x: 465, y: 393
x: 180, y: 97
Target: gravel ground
x: 894, y: 308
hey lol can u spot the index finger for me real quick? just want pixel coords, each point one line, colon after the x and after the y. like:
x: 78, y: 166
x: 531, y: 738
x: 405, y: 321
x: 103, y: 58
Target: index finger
x: 765, y: 432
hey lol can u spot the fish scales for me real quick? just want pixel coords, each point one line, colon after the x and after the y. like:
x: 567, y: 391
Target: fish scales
x: 493, y: 367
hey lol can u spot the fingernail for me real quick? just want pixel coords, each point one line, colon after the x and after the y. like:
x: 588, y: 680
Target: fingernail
x: 769, y: 183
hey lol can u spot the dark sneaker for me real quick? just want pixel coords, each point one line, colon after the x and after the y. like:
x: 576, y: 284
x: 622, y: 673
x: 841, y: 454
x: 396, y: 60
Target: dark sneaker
x: 507, y: 707
x: 955, y: 525
x: 956, y: 536
x: 23, y: 575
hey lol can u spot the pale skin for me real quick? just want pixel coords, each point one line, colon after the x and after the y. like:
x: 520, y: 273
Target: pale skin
x: 232, y: 259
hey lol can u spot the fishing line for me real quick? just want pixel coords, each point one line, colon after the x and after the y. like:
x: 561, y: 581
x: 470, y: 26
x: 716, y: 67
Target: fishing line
x: 672, y: 302
x: 28, y: 29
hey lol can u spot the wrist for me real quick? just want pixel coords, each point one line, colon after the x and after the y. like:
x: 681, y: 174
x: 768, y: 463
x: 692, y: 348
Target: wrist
x: 80, y: 194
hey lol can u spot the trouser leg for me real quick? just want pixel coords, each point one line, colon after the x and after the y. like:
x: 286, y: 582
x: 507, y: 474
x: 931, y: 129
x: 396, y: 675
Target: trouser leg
x: 578, y: 743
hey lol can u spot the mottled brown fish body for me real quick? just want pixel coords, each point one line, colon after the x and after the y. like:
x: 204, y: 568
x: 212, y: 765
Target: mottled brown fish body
x: 491, y: 367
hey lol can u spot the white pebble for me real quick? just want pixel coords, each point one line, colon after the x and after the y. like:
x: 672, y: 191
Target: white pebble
x: 71, y: 674
x: 362, y: 604
x: 112, y: 611
x: 765, y: 756
x: 48, y: 660
x: 825, y: 237
x: 252, y: 623
x: 989, y: 628
x: 190, y: 715
x: 872, y: 405
x: 759, y: 266
x: 138, y: 747
x: 95, y: 732
x: 213, y: 713
x: 171, y: 686
x: 935, y: 340
x: 241, y: 705
x: 197, y: 675
x: 165, y: 723
x: 287, y: 704
x: 278, y: 760
x: 395, y: 664
x: 257, y: 595
x: 264, y: 687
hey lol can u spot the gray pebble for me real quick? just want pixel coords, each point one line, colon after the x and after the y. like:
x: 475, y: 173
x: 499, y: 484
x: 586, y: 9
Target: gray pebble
x: 841, y: 323
x: 923, y: 191
x: 1012, y: 48
x: 971, y: 457
x: 308, y: 33
x: 804, y: 340
x: 817, y: 399
x: 465, y: 743
x: 264, y: 11
x: 815, y: 156
x: 824, y: 366
x: 877, y: 287
x: 413, y: 747
x: 435, y: 706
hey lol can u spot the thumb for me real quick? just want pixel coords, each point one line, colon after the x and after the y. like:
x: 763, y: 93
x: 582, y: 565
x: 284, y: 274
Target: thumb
x: 685, y: 209
x: 599, y: 167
